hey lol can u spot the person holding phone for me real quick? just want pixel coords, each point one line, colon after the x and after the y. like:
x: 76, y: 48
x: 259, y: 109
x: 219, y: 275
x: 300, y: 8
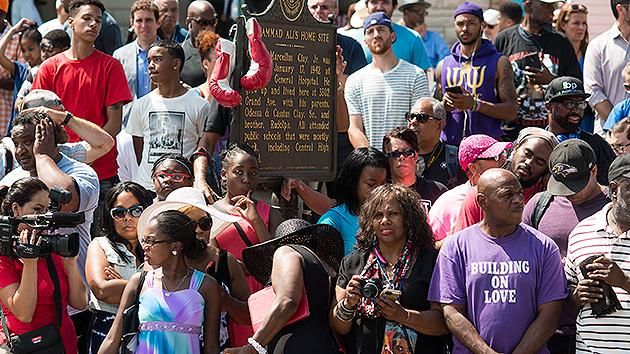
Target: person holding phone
x: 382, y: 287
x: 475, y: 81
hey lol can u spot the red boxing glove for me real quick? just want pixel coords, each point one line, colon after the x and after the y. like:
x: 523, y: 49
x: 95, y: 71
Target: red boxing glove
x: 219, y: 83
x: 259, y: 73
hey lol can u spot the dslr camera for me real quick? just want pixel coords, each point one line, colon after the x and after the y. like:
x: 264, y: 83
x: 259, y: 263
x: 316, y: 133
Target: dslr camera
x: 371, y: 288
x: 65, y: 245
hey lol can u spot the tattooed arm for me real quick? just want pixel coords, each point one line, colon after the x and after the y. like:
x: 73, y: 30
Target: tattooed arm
x: 114, y: 119
x: 506, y: 108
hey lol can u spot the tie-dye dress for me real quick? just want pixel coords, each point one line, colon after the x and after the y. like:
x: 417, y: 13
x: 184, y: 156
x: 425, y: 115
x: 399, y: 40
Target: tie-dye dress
x: 171, y: 322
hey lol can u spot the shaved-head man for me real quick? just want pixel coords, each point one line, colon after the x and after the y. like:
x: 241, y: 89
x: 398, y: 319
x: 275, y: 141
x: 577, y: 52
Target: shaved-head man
x: 499, y: 281
x: 200, y: 16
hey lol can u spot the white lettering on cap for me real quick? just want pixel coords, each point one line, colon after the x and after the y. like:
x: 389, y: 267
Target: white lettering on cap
x: 569, y: 86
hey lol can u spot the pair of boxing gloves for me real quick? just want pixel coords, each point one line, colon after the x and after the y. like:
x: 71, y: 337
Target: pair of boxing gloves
x: 257, y: 76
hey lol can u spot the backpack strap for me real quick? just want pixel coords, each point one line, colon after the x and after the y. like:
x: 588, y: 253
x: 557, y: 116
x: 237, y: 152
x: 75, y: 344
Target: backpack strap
x: 57, y: 288
x: 541, y: 207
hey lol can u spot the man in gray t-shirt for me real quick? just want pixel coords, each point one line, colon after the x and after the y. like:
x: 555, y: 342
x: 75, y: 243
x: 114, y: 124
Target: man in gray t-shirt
x: 34, y: 135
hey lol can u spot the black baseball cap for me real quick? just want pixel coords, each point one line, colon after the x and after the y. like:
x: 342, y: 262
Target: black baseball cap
x: 565, y: 86
x: 570, y: 164
x: 620, y: 167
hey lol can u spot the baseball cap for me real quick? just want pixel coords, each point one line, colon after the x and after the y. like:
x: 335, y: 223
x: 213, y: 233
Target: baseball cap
x: 403, y: 4
x: 469, y: 8
x: 570, y: 164
x: 565, y: 86
x: 479, y: 146
x: 377, y: 18
x: 620, y: 167
x: 491, y: 17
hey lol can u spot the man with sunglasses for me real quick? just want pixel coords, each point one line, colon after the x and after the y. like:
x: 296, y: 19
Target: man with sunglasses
x: 439, y: 160
x: 201, y: 16
x: 565, y: 101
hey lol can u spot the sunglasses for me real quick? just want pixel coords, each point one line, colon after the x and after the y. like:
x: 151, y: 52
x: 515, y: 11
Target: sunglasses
x: 420, y: 117
x: 407, y: 153
x: 176, y: 177
x: 204, y: 23
x: 120, y: 212
x: 491, y: 26
x: 620, y: 149
x: 500, y: 157
x: 150, y: 242
x: 205, y: 223
x: 579, y: 7
x: 581, y: 105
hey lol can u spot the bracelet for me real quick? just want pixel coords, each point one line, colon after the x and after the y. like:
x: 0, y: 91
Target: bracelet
x: 478, y: 105
x: 343, y: 313
x: 257, y: 346
x: 474, y: 107
x: 67, y: 120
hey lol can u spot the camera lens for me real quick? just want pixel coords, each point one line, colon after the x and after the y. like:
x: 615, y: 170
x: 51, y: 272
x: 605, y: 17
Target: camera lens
x: 371, y: 288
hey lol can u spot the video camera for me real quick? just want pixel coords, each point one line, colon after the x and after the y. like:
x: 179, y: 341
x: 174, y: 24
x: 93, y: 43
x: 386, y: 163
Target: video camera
x: 65, y: 245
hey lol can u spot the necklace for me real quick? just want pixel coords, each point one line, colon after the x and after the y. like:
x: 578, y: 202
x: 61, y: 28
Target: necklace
x: 168, y: 292
x: 434, y: 155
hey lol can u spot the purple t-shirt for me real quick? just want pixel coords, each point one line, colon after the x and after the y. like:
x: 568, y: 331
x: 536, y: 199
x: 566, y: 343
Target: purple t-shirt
x: 501, y: 281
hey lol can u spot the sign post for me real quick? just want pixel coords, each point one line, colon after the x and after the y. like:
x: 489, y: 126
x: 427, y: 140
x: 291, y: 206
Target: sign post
x: 291, y: 122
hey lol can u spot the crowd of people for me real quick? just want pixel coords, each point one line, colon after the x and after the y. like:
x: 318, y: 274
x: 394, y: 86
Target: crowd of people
x: 481, y: 202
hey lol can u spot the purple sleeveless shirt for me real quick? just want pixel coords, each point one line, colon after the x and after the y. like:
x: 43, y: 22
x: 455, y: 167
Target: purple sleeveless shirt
x: 479, y: 78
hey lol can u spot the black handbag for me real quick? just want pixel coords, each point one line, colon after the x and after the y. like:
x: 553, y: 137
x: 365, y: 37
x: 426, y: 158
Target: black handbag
x: 44, y: 340
x: 131, y: 322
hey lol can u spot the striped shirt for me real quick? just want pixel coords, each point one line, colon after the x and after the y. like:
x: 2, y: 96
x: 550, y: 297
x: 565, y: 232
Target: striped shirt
x: 593, y: 236
x: 382, y: 99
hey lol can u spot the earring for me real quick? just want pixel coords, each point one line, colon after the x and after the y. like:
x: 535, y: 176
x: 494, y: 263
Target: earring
x: 174, y: 252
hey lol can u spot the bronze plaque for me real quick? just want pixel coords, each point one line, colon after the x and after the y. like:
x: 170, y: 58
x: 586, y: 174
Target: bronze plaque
x: 291, y: 122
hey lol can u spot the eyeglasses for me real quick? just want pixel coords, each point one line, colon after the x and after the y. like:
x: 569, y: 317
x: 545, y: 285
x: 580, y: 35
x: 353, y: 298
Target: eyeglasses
x: 203, y: 22
x: 620, y: 149
x: 581, y: 105
x: 407, y: 153
x: 150, y: 242
x: 205, y: 223
x: 500, y: 157
x: 176, y: 177
x: 420, y: 117
x: 120, y: 212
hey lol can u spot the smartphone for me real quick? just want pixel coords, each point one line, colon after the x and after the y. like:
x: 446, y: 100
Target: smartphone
x: 391, y: 294
x: 455, y: 89
x: 531, y: 60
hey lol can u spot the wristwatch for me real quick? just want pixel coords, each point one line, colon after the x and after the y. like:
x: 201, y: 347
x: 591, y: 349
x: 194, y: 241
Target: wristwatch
x: 68, y: 117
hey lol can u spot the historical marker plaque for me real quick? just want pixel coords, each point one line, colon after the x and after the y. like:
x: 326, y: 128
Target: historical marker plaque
x: 291, y: 122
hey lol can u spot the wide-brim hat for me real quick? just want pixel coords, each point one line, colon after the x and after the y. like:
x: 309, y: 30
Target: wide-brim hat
x: 323, y: 240
x: 359, y: 15
x: 180, y: 198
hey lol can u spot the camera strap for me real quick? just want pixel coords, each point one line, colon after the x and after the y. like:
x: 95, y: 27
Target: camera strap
x: 54, y: 276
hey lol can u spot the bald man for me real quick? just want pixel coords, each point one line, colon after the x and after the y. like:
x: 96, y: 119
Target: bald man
x: 500, y: 282
x: 200, y: 16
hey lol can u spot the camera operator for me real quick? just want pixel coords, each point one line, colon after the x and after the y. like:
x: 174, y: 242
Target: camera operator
x: 36, y: 137
x: 26, y: 286
x: 382, y: 287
